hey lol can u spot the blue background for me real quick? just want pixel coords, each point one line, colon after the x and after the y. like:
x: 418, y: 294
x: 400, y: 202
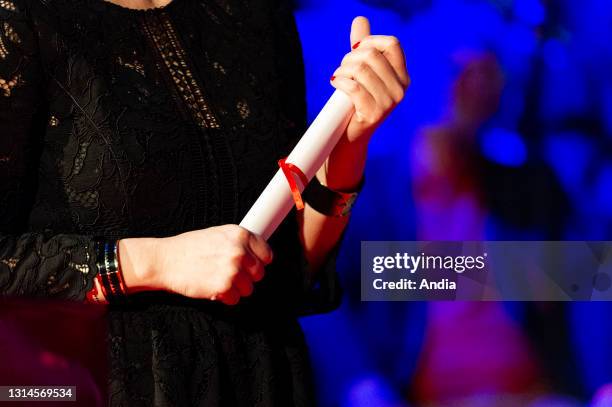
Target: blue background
x: 548, y: 148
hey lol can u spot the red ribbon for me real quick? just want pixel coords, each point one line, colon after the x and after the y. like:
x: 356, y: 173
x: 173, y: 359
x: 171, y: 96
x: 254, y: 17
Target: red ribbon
x: 290, y: 169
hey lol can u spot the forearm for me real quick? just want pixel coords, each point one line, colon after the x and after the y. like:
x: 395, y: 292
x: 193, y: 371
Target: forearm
x: 343, y: 171
x: 138, y: 263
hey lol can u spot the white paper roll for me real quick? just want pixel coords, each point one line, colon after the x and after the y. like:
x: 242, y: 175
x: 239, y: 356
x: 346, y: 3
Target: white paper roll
x: 309, y: 154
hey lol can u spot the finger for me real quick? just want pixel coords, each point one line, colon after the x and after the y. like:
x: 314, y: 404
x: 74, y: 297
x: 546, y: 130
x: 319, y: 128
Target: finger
x: 381, y: 66
x: 368, y: 79
x: 363, y: 100
x: 360, y: 29
x: 244, y: 284
x: 252, y: 266
x: 260, y: 248
x: 230, y: 297
x: 391, y: 48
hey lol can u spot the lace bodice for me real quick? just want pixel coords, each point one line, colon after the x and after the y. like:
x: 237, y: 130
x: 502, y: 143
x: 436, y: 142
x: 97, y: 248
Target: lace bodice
x: 117, y: 122
x: 125, y: 123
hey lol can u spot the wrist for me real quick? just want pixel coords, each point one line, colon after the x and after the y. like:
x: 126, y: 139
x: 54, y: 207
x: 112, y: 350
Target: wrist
x: 139, y: 264
x: 344, y: 169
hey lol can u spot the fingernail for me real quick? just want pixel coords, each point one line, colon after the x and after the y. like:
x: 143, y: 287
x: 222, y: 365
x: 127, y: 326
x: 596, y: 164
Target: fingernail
x: 356, y: 45
x: 333, y: 78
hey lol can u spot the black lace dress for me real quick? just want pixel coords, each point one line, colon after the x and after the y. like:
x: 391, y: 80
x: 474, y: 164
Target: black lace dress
x: 125, y: 123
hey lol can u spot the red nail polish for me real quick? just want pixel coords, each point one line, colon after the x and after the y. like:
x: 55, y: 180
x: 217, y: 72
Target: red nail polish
x: 356, y: 45
x: 333, y: 78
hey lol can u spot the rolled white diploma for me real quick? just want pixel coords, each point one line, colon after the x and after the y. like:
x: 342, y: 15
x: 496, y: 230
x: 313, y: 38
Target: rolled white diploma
x: 309, y: 154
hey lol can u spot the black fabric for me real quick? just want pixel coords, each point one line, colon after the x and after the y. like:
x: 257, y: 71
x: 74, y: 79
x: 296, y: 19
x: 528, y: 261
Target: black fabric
x: 125, y: 123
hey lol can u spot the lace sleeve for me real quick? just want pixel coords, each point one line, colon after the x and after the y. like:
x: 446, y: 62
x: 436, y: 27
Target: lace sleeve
x: 31, y: 264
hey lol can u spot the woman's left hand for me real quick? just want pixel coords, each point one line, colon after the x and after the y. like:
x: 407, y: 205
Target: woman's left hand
x: 374, y: 75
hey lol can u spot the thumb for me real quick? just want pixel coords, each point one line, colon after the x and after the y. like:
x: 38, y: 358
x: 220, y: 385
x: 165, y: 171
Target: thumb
x: 360, y: 29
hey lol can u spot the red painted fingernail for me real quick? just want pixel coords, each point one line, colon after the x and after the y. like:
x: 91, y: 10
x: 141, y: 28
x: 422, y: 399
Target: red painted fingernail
x: 333, y: 78
x: 356, y: 45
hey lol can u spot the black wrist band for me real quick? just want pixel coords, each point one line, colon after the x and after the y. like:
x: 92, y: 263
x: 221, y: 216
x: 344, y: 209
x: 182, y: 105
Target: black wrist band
x: 328, y: 201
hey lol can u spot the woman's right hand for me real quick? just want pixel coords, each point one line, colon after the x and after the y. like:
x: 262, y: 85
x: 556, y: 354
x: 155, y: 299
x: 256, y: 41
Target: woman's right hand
x: 218, y: 263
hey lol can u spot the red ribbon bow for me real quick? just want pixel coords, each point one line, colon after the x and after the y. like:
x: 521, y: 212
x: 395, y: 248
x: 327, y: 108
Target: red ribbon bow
x: 290, y: 169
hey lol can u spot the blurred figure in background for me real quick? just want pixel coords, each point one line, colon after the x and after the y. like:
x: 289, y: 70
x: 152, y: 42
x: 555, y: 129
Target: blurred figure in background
x: 445, y: 161
x: 471, y: 349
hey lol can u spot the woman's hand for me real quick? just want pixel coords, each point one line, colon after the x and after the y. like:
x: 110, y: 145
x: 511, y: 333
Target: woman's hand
x: 218, y: 263
x: 374, y: 75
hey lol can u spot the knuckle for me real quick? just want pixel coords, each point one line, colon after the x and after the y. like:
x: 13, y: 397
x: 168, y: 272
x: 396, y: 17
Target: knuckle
x: 394, y: 41
x: 242, y: 234
x: 347, y: 58
x: 223, y: 286
x: 237, y: 254
x: 362, y: 67
x: 232, y: 276
x: 230, y: 230
x: 398, y: 95
x: 385, y: 105
x: 232, y: 273
x: 232, y: 264
x: 353, y: 87
x: 371, y: 53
